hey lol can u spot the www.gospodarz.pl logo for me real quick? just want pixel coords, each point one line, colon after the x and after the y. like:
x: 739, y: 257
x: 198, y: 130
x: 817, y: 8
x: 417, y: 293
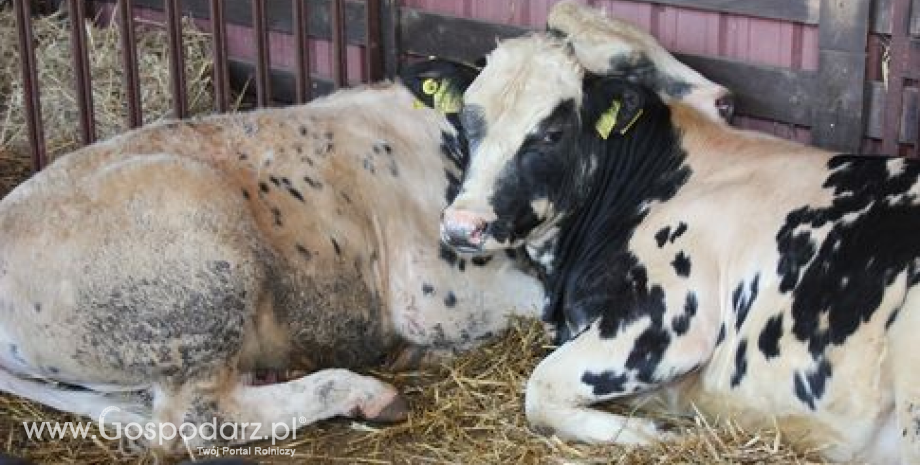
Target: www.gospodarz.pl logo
x: 161, y: 433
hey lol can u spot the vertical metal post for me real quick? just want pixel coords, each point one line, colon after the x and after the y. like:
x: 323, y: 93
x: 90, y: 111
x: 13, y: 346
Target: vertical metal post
x: 390, y: 37
x: 219, y: 50
x: 82, y: 76
x: 303, y: 83
x: 263, y: 59
x: 129, y: 62
x: 373, y: 52
x: 339, y: 47
x: 30, y: 83
x: 176, y: 58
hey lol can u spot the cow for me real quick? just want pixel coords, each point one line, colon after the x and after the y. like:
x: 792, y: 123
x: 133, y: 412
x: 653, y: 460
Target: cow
x: 693, y: 265
x: 185, y: 271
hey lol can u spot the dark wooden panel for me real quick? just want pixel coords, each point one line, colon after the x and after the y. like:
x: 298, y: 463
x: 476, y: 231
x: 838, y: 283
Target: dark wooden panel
x: 910, y: 116
x: 838, y: 113
x: 242, y: 76
x: 844, y: 25
x: 915, y: 18
x: 799, y: 11
x: 761, y: 91
x: 912, y: 71
x: 876, y: 114
x: 880, y: 22
x: 461, y: 39
x: 279, y: 15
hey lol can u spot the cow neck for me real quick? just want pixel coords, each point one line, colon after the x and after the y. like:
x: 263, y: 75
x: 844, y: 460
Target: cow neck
x: 591, y: 250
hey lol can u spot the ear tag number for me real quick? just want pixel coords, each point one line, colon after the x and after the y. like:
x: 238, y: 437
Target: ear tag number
x: 608, y: 120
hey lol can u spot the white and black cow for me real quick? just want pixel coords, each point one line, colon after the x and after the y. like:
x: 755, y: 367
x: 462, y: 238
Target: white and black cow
x: 609, y: 46
x: 754, y: 278
x: 154, y: 272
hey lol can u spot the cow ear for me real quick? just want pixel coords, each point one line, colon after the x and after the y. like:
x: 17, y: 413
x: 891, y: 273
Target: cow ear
x: 439, y: 83
x: 613, y: 106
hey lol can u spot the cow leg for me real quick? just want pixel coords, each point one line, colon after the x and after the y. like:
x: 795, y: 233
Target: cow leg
x: 591, y: 369
x: 120, y: 407
x: 273, y: 411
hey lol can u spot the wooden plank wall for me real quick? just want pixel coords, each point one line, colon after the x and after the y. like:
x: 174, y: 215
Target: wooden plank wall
x: 798, y: 67
x: 769, y: 53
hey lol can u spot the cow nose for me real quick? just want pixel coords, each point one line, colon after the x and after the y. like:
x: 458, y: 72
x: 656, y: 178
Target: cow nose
x: 726, y: 107
x: 462, y: 230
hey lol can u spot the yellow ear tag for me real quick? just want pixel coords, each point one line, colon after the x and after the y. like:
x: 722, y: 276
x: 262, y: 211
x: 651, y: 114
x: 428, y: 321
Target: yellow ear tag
x: 608, y: 120
x: 429, y: 86
x: 442, y: 99
x: 445, y: 101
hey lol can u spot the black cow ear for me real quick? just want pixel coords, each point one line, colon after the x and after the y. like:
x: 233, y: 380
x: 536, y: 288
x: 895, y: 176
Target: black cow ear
x: 439, y: 83
x: 613, y: 106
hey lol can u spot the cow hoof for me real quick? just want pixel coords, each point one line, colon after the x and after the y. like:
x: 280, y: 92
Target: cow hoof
x: 394, y: 410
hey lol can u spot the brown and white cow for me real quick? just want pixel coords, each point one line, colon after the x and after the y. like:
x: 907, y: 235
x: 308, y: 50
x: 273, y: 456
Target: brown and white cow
x: 145, y: 276
x: 707, y: 267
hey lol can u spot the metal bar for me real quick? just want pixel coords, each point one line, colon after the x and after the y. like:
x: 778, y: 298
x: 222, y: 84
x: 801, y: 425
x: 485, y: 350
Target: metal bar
x: 176, y: 58
x: 129, y: 62
x: 373, y: 53
x: 339, y: 47
x: 263, y: 60
x: 390, y: 40
x: 895, y: 95
x: 82, y: 78
x: 219, y: 50
x: 303, y: 83
x: 30, y: 83
x: 239, y: 12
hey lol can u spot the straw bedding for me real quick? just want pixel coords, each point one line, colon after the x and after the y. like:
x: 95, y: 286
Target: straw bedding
x: 466, y: 412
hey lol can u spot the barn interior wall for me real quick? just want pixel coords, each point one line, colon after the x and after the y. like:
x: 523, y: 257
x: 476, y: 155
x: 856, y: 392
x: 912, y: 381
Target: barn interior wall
x: 758, y: 41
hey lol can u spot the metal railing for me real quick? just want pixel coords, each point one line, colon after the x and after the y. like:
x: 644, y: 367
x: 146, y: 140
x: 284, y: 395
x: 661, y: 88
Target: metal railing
x: 373, y: 56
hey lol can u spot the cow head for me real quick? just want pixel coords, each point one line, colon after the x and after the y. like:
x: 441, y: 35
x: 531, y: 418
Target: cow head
x: 612, y: 47
x: 523, y: 117
x: 520, y: 111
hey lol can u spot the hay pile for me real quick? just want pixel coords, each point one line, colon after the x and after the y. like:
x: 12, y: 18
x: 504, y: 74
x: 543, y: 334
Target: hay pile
x: 59, y: 100
x: 468, y: 412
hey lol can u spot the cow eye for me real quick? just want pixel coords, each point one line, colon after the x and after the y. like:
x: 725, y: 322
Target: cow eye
x: 551, y: 137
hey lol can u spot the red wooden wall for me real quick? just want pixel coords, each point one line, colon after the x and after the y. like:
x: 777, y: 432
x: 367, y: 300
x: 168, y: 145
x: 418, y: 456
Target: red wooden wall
x: 747, y: 39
